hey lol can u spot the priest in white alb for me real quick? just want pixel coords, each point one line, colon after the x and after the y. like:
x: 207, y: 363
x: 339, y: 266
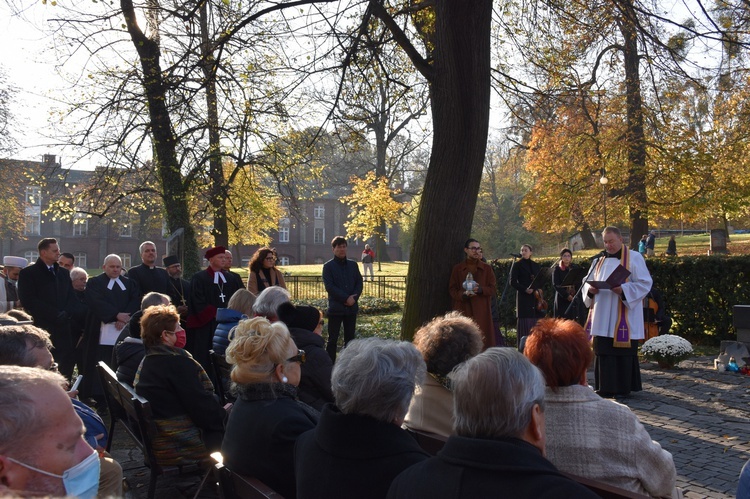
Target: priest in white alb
x: 616, y: 317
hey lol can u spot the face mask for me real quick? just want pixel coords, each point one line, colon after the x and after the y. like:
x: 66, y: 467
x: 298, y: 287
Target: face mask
x: 180, y: 339
x: 82, y: 480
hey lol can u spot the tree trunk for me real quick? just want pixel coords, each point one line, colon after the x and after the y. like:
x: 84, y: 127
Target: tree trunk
x: 173, y: 188
x: 634, y: 137
x: 219, y: 192
x: 460, y: 104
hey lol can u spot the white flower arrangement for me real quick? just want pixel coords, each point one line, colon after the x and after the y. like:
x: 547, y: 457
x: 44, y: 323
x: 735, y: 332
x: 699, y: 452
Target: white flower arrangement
x: 667, y: 349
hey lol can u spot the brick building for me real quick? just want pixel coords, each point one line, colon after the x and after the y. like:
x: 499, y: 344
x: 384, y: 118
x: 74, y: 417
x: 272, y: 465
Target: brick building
x: 300, y: 240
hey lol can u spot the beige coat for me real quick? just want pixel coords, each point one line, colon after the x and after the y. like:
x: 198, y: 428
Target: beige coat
x: 600, y: 439
x: 431, y: 408
x: 277, y: 279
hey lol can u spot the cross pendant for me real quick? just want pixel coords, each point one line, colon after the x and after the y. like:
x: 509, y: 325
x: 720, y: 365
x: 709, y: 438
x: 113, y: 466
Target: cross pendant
x: 183, y: 302
x: 222, y: 296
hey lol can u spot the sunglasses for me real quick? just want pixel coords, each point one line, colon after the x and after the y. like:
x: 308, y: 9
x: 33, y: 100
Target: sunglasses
x: 301, y: 357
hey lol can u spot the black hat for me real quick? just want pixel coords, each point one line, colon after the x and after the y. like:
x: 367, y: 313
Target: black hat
x: 301, y: 316
x: 170, y: 260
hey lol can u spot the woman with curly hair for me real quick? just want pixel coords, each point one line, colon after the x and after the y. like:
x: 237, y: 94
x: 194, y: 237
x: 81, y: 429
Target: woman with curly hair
x: 267, y: 418
x: 444, y: 343
x: 262, y: 271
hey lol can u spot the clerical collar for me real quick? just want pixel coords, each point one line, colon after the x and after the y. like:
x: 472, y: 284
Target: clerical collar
x: 114, y: 281
x: 614, y: 255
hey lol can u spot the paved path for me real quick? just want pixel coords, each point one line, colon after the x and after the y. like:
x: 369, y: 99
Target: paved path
x: 702, y: 417
x: 699, y: 415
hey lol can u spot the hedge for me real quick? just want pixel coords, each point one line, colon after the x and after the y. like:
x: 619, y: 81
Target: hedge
x: 699, y: 293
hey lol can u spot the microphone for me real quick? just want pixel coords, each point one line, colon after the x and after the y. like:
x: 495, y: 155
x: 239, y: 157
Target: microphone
x: 515, y: 255
x: 598, y: 255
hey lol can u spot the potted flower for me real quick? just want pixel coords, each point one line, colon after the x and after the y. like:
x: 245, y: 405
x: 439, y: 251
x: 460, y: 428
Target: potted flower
x: 667, y: 350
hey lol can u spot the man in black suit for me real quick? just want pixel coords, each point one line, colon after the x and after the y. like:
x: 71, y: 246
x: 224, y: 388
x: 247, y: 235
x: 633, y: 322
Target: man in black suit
x: 46, y: 293
x: 147, y: 275
x: 179, y: 288
x: 112, y: 299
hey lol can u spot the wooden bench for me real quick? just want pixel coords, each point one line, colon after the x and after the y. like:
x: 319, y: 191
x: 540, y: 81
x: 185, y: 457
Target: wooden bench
x: 432, y: 443
x: 133, y: 412
x: 234, y: 486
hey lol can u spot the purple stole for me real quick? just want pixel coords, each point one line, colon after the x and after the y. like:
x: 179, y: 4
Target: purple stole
x: 621, y: 334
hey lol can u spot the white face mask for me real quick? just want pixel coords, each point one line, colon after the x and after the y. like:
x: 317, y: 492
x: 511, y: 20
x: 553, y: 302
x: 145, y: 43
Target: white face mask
x: 82, y: 480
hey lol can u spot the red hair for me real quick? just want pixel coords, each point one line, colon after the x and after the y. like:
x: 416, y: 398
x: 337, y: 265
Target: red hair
x: 561, y: 350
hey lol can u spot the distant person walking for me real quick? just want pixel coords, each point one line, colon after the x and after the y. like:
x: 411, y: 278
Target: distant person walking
x: 650, y: 242
x: 672, y: 246
x: 642, y: 246
x: 368, y: 256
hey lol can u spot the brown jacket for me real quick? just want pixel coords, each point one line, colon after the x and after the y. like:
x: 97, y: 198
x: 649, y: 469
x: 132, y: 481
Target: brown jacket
x: 477, y: 307
x: 277, y: 279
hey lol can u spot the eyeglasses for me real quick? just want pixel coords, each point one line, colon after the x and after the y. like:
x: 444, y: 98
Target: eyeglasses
x: 475, y: 248
x: 53, y: 367
x: 270, y: 258
x: 301, y: 357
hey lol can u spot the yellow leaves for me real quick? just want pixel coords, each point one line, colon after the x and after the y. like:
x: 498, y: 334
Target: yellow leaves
x: 372, y: 206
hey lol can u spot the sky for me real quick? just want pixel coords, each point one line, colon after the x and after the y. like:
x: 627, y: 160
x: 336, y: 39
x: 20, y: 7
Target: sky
x: 28, y: 61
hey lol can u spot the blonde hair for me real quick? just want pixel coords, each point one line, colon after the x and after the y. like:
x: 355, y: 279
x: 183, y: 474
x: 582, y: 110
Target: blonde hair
x: 256, y: 346
x: 242, y: 301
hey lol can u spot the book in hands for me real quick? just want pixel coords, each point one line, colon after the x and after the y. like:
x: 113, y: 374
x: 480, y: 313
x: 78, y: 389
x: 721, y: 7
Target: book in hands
x: 615, y: 279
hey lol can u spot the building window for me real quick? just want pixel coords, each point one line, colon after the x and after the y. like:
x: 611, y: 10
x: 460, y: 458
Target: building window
x: 125, y: 260
x: 33, y: 195
x: 283, y: 260
x: 80, y: 225
x: 284, y: 230
x: 127, y: 229
x: 33, y: 221
x: 81, y: 260
x: 319, y: 211
x: 31, y: 256
x: 319, y: 235
x: 387, y: 235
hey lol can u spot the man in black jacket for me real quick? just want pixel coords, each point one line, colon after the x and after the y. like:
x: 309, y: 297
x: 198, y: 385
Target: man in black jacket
x: 46, y: 293
x: 343, y: 283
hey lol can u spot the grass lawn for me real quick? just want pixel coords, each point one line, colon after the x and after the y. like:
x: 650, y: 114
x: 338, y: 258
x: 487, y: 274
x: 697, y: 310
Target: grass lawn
x: 386, y: 269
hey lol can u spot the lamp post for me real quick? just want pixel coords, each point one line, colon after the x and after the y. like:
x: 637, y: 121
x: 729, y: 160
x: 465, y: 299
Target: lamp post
x: 603, y: 180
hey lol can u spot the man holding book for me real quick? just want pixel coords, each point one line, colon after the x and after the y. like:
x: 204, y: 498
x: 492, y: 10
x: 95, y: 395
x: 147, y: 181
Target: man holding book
x: 614, y: 291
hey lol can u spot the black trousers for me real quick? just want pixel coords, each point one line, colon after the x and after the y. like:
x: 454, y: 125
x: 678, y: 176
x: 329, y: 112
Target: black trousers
x: 334, y: 328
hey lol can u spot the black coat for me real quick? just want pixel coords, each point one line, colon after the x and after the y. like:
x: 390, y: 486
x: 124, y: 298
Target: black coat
x: 342, y: 279
x: 348, y: 456
x: 521, y: 278
x: 471, y: 467
x: 315, y: 384
x: 50, y: 301
x: 262, y: 430
x: 149, y: 279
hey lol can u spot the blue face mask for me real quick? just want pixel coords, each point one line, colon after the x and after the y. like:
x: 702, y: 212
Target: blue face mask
x: 82, y: 480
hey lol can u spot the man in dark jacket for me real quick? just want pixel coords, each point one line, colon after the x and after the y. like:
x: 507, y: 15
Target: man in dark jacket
x: 498, y: 446
x: 343, y: 283
x: 46, y: 293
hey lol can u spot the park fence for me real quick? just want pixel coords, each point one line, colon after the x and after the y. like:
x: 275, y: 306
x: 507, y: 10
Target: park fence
x: 312, y: 287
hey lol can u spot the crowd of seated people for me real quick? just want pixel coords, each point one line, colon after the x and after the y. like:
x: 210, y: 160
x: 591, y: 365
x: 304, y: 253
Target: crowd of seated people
x: 513, y: 422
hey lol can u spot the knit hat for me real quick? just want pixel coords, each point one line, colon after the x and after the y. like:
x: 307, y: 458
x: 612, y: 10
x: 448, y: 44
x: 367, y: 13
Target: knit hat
x: 301, y: 316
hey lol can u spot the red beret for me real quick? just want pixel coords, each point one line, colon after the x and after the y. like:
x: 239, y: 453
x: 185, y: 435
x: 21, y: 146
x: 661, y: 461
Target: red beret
x: 219, y: 250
